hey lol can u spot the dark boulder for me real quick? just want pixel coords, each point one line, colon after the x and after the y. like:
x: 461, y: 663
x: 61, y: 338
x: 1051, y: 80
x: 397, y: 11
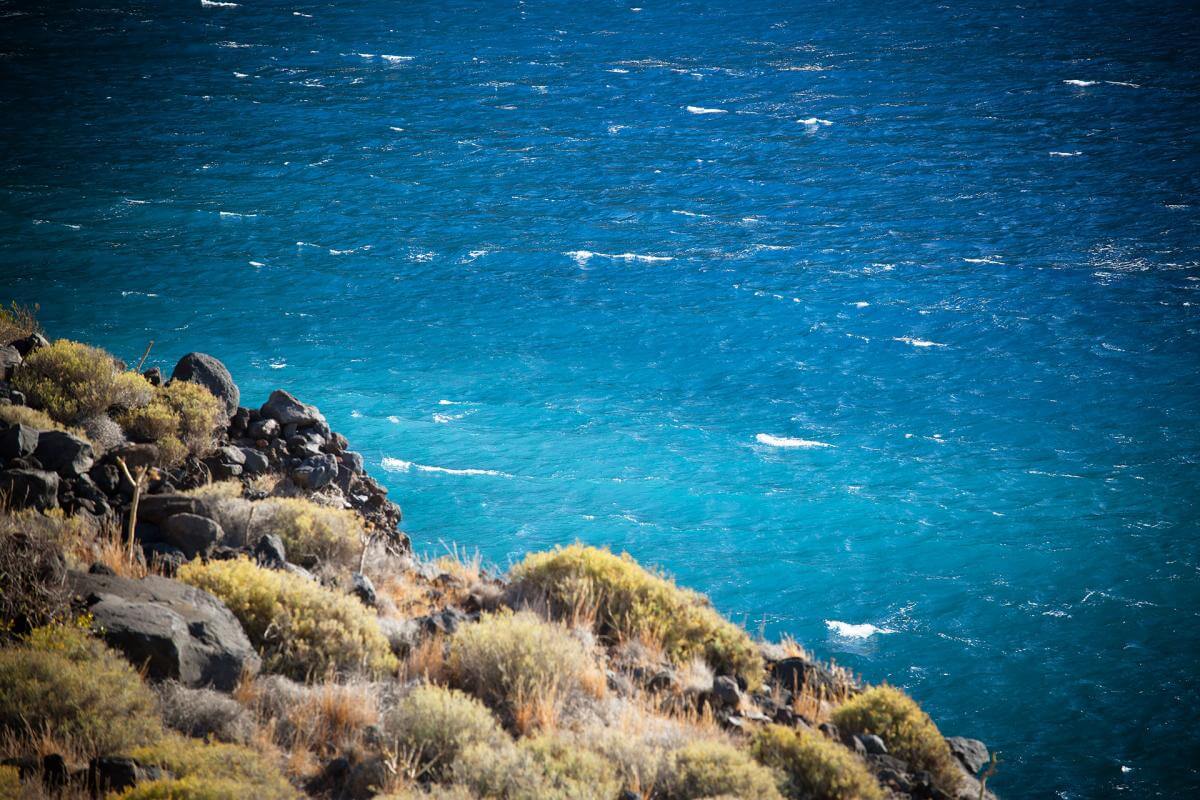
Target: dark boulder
x: 363, y: 589
x: 158, y: 508
x: 18, y: 441
x: 210, y: 373
x: 797, y: 674
x: 255, y: 462
x: 872, y: 744
x: 315, y: 472
x: 445, y: 621
x: 135, y: 456
x: 64, y: 453
x: 164, y: 557
x: 117, y: 773
x: 270, y: 553
x: 34, y: 341
x: 29, y: 488
x: 353, y: 461
x: 725, y: 692
x: 10, y: 360
x: 193, y: 534
x: 287, y: 410
x: 174, y: 630
x: 153, y: 376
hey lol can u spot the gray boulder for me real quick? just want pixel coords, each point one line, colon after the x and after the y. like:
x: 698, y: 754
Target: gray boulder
x: 29, y: 488
x: 193, y: 534
x: 316, y: 472
x: 17, y: 442
x: 873, y: 744
x: 266, y: 428
x: 210, y: 373
x: 362, y: 588
x: 270, y: 552
x: 158, y: 508
x: 64, y: 453
x: 287, y: 410
x: 725, y: 692
x: 174, y: 630
x: 254, y: 462
x: 972, y: 753
x: 10, y: 359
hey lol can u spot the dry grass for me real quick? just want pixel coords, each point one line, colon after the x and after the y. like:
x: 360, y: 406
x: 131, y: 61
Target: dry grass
x: 18, y: 321
x: 426, y: 661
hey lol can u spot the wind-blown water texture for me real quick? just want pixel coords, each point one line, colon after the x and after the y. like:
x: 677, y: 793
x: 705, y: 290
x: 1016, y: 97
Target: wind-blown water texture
x: 875, y: 321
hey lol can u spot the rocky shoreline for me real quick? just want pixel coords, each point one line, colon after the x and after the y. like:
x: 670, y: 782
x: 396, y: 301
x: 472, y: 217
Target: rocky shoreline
x: 109, y: 522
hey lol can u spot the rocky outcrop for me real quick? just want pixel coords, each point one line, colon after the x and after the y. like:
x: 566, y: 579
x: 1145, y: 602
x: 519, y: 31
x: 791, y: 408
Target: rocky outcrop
x: 173, y: 630
x: 210, y: 373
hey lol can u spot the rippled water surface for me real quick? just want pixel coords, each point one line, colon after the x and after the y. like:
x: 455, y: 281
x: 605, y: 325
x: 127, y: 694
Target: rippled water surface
x: 876, y: 321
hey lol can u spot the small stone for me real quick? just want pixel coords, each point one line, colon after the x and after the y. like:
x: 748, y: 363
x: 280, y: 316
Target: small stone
x: 210, y: 373
x: 255, y: 462
x: 265, y: 428
x: 153, y: 376
x: 315, y: 472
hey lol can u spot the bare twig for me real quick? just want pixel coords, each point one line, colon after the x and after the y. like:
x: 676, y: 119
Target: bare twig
x: 140, y: 473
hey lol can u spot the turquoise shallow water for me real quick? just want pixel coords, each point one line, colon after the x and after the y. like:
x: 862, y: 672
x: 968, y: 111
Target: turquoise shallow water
x: 876, y: 322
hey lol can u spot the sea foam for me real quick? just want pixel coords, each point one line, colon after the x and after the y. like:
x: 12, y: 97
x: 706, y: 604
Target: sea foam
x: 703, y: 110
x: 400, y: 465
x: 849, y: 630
x: 784, y: 441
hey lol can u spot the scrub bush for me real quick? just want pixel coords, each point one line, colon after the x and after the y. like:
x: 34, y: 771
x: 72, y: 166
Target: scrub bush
x: 711, y: 768
x: 204, y: 713
x: 522, y: 666
x: 311, y: 532
x: 17, y: 322
x: 180, y: 419
x: 814, y: 767
x: 907, y: 731
x: 545, y: 768
x: 208, y: 771
x: 70, y: 381
x: 62, y: 682
x: 33, y: 589
x: 300, y: 627
x: 33, y: 418
x: 630, y: 602
x: 431, y: 726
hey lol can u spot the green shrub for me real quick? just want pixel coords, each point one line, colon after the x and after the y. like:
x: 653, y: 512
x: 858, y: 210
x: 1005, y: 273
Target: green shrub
x: 710, y: 769
x: 180, y: 418
x: 70, y: 380
x: 814, y: 767
x: 65, y: 683
x: 431, y: 726
x: 907, y: 731
x: 208, y: 771
x: 630, y: 602
x: 522, y: 666
x: 311, y: 532
x: 300, y: 627
x: 545, y: 768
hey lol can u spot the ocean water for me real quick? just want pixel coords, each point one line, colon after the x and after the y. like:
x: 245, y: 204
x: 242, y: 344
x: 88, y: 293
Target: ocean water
x: 875, y: 321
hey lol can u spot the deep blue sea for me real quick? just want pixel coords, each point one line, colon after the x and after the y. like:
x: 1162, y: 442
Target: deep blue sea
x: 875, y: 321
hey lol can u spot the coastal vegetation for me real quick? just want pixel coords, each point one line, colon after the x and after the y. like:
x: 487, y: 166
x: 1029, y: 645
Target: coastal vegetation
x: 260, y: 627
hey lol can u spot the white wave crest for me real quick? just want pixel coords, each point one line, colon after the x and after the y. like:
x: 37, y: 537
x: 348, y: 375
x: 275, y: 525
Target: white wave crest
x: 400, y: 465
x: 785, y: 441
x: 1074, y: 82
x: 582, y: 257
x: 1066, y: 153
x: 216, y: 4
x: 396, y: 59
x: 231, y: 214
x: 849, y: 630
x: 917, y: 342
x: 813, y: 122
x: 703, y: 110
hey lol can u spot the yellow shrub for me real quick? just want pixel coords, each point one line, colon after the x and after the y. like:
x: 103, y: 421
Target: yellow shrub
x: 431, y: 726
x: 70, y: 380
x: 521, y: 666
x: 208, y: 771
x: 65, y: 683
x: 311, y: 532
x: 301, y: 627
x: 629, y: 602
x: 33, y: 418
x: 435, y: 792
x: 710, y: 769
x: 907, y: 731
x: 545, y: 768
x: 10, y: 782
x: 814, y: 767
x: 17, y: 322
x: 180, y: 418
